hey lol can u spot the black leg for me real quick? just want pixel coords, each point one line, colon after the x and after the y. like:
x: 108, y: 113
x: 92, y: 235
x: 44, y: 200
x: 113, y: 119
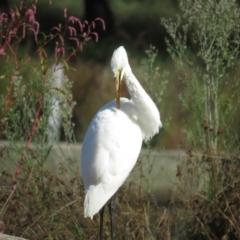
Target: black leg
x: 111, y: 211
x: 101, y: 222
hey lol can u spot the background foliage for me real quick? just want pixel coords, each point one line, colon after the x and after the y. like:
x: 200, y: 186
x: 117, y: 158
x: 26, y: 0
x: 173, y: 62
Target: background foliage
x: 191, y: 73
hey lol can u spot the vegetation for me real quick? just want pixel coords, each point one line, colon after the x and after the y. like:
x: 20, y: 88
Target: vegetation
x: 205, y: 46
x: 38, y: 202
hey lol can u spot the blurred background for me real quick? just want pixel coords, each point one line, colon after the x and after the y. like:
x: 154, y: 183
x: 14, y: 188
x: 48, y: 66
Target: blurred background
x: 135, y: 24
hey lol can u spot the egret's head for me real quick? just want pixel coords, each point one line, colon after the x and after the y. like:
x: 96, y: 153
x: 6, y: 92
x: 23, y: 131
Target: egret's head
x: 119, y: 61
x: 119, y: 65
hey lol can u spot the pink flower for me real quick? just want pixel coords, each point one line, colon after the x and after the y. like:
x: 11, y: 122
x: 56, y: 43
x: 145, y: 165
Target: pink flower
x: 102, y: 21
x: 73, y: 19
x: 30, y: 13
x: 76, y: 40
x: 65, y: 13
x: 72, y: 31
x: 2, y: 51
x: 96, y: 36
x: 12, y: 13
x: 3, y: 17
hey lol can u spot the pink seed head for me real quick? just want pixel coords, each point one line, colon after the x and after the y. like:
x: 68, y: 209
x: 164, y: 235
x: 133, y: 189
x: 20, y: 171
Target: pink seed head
x: 12, y: 13
x: 102, y: 21
x: 65, y: 13
x: 2, y: 51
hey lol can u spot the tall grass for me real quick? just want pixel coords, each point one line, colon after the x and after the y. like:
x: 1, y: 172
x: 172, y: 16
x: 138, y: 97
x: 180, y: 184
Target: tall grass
x: 204, y: 44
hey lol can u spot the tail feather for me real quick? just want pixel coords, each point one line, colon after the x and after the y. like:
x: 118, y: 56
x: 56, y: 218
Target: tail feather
x: 95, y: 199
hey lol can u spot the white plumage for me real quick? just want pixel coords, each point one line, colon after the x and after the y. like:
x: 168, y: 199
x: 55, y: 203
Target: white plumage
x: 55, y: 118
x: 114, y: 138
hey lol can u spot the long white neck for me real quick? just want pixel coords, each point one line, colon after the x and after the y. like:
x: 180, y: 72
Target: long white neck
x: 148, y: 114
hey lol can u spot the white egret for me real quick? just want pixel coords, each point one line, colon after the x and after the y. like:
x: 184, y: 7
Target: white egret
x: 55, y: 118
x: 114, y: 138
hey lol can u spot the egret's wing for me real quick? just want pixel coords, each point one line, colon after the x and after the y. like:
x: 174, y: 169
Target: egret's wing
x: 109, y: 152
x: 111, y: 144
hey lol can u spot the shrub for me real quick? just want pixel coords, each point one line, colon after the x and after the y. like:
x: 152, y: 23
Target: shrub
x: 32, y: 196
x: 204, y: 44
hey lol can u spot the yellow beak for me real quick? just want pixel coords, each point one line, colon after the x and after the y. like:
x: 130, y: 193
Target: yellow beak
x: 118, y: 90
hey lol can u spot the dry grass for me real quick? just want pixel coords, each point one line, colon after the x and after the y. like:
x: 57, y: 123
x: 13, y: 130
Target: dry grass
x: 49, y: 206
x: 210, y: 186
x: 217, y: 218
x: 42, y: 207
x: 46, y: 206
